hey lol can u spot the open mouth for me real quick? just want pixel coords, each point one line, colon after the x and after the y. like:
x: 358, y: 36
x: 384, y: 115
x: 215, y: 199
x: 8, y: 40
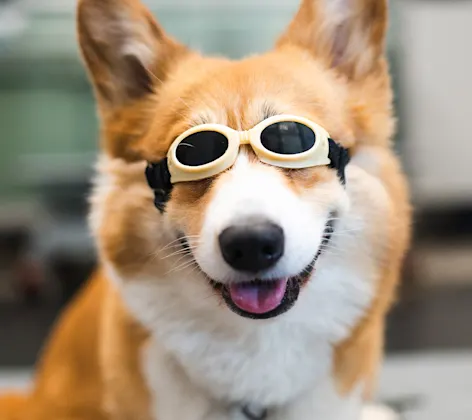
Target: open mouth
x: 265, y: 299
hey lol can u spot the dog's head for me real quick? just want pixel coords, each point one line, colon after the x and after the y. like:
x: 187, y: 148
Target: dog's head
x: 257, y: 237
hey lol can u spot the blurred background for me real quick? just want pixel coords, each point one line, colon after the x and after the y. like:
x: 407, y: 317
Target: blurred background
x: 48, y: 144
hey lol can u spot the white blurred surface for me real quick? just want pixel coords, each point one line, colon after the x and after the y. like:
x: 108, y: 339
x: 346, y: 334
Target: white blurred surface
x: 436, y: 67
x: 11, y: 379
x: 440, y: 383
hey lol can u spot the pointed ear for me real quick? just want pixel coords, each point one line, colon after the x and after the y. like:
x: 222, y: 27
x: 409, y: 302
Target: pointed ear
x: 127, y: 53
x: 347, y: 34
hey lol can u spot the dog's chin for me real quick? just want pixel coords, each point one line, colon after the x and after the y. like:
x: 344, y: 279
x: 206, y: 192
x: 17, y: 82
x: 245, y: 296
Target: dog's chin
x: 263, y: 299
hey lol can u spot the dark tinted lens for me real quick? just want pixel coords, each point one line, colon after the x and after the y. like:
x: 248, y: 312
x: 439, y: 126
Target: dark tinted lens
x: 201, y: 148
x: 288, y: 138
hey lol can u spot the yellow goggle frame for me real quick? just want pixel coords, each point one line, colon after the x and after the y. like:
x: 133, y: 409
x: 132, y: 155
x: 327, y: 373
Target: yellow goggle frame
x: 317, y: 155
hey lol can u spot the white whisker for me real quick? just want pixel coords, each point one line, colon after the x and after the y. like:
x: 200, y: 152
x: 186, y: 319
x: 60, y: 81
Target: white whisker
x: 182, y: 266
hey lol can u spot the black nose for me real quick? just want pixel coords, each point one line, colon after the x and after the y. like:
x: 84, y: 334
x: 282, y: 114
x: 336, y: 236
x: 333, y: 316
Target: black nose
x: 252, y: 247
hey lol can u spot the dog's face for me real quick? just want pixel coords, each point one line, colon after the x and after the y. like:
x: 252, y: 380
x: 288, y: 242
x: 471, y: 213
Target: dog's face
x: 255, y: 241
x: 255, y: 231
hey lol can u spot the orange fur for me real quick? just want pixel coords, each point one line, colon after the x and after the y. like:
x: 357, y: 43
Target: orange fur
x: 13, y: 406
x: 90, y: 369
x: 359, y: 357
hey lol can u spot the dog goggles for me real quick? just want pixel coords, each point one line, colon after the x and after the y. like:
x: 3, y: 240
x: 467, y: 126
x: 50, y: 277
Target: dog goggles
x: 284, y: 141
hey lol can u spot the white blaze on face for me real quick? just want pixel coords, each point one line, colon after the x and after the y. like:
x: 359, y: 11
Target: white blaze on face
x: 253, y: 190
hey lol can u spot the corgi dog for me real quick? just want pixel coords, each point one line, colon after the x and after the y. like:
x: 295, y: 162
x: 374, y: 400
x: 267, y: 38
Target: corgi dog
x: 251, y: 219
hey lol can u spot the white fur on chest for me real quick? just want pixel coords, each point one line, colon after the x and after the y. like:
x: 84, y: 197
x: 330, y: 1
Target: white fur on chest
x: 174, y: 396
x: 230, y: 358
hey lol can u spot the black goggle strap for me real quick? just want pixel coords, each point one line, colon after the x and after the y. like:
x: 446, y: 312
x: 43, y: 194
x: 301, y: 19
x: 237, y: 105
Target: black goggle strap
x: 158, y: 175
x: 339, y: 157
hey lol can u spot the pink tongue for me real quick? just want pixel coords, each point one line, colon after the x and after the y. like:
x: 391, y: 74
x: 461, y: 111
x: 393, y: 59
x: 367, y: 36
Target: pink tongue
x: 258, y: 298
